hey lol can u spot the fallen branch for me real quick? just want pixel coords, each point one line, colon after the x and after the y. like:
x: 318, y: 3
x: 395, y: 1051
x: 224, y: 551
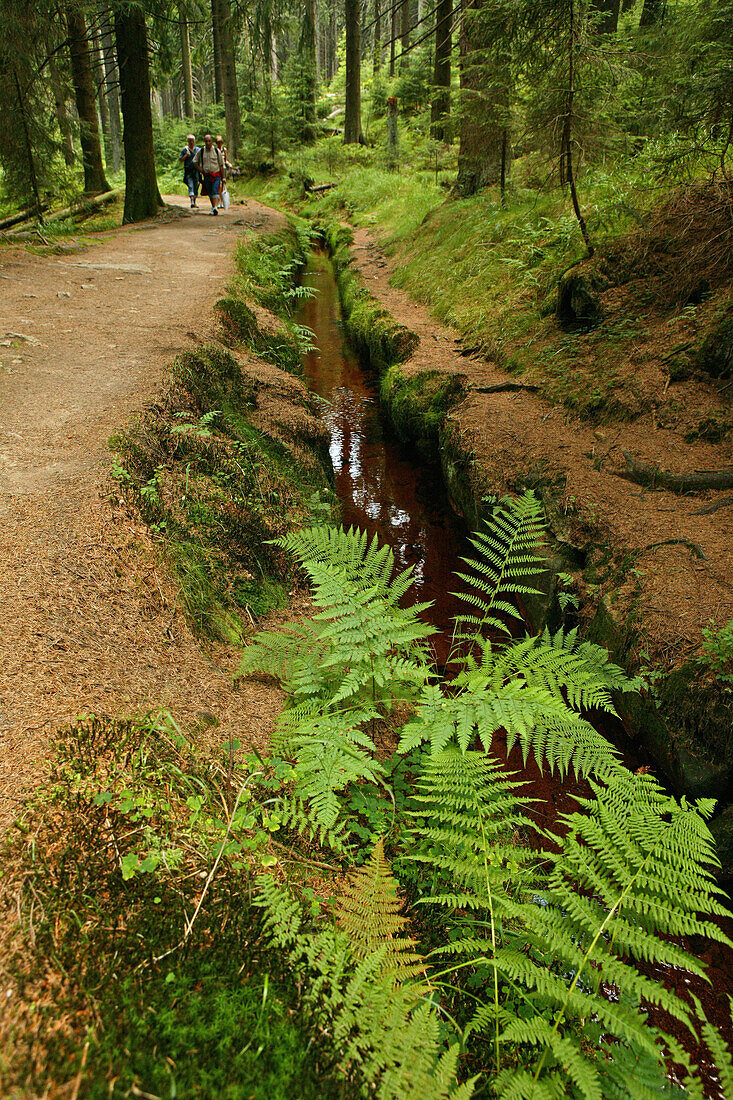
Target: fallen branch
x: 505, y: 387
x: 88, y: 206
x: 652, y: 477
x: 21, y: 216
x: 725, y: 502
x: 320, y: 187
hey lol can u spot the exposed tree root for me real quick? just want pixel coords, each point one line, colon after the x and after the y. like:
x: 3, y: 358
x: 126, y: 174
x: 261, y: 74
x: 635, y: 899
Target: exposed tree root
x: 693, y: 547
x: 724, y: 502
x: 652, y: 477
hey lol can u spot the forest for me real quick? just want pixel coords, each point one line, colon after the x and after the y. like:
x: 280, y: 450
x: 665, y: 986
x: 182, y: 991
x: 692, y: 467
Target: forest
x: 366, y: 670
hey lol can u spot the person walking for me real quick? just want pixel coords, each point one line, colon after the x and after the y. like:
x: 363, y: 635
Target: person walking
x: 224, y: 196
x: 211, y: 163
x: 222, y: 149
x: 190, y: 172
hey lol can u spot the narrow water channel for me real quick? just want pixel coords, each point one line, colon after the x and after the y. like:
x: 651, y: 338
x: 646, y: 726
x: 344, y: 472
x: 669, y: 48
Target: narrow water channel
x: 381, y: 487
x: 386, y: 490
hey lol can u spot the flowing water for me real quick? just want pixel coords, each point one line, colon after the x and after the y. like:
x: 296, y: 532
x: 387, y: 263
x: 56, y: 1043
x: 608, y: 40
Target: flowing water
x: 381, y: 487
x: 386, y: 490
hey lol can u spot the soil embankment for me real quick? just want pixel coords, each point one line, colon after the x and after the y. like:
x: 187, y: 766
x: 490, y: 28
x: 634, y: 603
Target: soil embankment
x: 91, y: 622
x: 650, y: 572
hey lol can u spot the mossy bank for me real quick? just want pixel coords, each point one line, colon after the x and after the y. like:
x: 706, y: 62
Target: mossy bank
x: 233, y: 454
x: 681, y: 725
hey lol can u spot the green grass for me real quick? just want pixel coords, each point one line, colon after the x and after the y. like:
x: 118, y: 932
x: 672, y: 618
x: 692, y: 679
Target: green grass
x: 489, y: 269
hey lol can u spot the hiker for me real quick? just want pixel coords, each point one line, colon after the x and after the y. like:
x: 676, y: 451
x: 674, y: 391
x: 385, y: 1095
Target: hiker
x: 219, y: 140
x: 191, y: 176
x: 211, y: 163
x: 222, y: 149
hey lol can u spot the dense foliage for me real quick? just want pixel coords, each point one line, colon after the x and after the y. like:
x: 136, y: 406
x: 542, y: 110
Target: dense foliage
x: 540, y: 947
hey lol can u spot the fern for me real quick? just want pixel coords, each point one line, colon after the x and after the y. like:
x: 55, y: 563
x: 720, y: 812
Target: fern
x: 506, y: 557
x: 627, y: 880
x: 383, y: 1034
x: 518, y: 690
x: 551, y: 944
x: 369, y: 911
x: 361, y: 641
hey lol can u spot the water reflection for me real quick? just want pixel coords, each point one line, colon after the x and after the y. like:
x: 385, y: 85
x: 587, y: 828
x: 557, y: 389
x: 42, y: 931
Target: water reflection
x: 382, y: 487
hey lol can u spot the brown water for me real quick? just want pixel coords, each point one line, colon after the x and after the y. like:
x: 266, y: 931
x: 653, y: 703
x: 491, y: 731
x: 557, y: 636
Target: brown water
x: 381, y: 486
x: 386, y: 490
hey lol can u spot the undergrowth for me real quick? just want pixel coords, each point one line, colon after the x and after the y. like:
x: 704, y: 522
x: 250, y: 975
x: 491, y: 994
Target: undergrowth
x: 217, y: 469
x: 527, y: 963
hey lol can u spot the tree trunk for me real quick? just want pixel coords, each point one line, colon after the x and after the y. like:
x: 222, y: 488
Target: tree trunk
x: 404, y: 34
x: 142, y: 198
x: 229, y: 79
x: 101, y: 92
x: 307, y: 51
x: 484, y: 97
x: 440, y: 109
x: 652, y: 13
x: 606, y: 15
x: 567, y: 129
x: 188, y: 103
x: 28, y: 147
x: 62, y: 114
x: 81, y: 72
x: 111, y: 81
x: 392, y: 146
x: 352, y: 121
x: 377, y: 51
x: 392, y: 35
x: 216, y: 43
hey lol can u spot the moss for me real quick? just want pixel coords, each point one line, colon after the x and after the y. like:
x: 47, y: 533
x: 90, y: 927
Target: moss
x: 418, y: 405
x: 102, y: 975
x: 372, y: 331
x: 216, y: 490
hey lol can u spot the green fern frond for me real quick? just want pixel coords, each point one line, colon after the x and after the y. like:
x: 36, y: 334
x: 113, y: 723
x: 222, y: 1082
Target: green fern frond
x: 369, y: 911
x: 531, y: 714
x: 385, y: 1037
x: 506, y: 556
x: 297, y: 816
x: 578, y: 672
x: 630, y: 877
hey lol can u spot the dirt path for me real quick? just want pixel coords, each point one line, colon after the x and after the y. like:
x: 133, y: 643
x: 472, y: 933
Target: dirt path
x: 90, y: 624
x: 518, y: 435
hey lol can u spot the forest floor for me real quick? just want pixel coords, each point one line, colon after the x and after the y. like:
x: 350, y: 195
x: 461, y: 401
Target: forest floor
x: 685, y: 559
x: 90, y: 620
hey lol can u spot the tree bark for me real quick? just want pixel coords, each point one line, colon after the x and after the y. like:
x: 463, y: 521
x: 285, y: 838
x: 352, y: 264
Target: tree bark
x: 62, y: 115
x: 229, y: 79
x: 484, y: 105
x: 392, y: 35
x: 377, y: 50
x: 440, y: 108
x: 100, y: 89
x: 651, y: 13
x: 216, y: 43
x: 142, y: 198
x: 307, y: 51
x: 28, y: 146
x: 566, y: 137
x: 352, y: 121
x: 188, y: 101
x: 392, y: 143
x: 111, y: 80
x: 404, y: 34
x: 81, y: 72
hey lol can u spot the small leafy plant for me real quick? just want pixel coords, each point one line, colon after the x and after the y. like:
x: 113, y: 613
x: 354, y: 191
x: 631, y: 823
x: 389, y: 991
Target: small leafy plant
x: 717, y: 652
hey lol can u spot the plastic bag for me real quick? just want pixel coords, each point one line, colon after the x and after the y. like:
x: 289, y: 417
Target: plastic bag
x: 225, y: 199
